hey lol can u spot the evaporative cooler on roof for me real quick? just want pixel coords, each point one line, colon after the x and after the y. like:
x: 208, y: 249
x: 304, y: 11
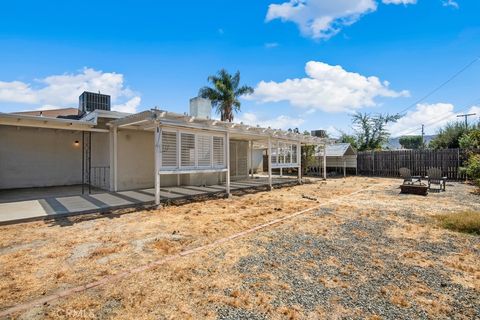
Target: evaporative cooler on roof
x: 90, y: 101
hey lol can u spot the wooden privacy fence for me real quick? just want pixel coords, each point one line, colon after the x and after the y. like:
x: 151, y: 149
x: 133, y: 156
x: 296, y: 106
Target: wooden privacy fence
x: 387, y: 163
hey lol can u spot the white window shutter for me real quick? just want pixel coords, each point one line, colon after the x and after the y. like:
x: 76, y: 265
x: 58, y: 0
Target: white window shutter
x: 204, y: 150
x: 187, y: 142
x: 169, y: 149
x: 218, y: 152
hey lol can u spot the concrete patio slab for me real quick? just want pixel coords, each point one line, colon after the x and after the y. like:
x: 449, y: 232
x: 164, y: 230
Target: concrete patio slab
x: 54, y: 202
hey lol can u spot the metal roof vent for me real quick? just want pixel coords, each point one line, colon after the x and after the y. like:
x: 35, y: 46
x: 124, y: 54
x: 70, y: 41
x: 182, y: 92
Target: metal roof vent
x: 200, y: 108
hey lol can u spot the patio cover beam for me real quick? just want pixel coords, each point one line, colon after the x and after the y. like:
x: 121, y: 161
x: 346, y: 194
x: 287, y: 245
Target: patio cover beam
x: 158, y: 146
x: 175, y: 120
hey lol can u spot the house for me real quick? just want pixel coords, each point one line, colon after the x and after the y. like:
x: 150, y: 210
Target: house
x: 114, y: 151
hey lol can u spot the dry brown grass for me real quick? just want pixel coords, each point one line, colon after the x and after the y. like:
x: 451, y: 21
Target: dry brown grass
x: 466, y: 222
x: 199, y: 223
x: 190, y: 287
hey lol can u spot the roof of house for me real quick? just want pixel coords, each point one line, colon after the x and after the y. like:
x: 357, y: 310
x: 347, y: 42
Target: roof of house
x: 150, y: 119
x: 53, y: 113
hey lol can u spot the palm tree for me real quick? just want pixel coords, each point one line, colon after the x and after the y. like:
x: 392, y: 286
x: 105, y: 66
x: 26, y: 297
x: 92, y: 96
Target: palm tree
x: 225, y: 93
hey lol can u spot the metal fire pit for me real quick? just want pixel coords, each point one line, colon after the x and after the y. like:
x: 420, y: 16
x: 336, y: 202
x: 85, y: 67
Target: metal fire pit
x: 419, y: 189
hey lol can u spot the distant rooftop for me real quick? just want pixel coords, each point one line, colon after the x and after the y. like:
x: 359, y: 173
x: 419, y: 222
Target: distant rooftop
x: 53, y: 113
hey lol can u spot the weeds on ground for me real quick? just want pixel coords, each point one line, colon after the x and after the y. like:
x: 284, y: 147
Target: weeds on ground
x: 466, y: 222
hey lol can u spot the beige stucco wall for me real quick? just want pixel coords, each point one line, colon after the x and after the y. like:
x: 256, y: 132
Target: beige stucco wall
x: 100, y: 150
x: 135, y: 159
x: 198, y: 179
x: 136, y: 164
x: 31, y: 157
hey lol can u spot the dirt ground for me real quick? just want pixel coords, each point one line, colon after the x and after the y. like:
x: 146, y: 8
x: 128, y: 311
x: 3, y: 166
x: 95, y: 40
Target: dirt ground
x: 372, y: 254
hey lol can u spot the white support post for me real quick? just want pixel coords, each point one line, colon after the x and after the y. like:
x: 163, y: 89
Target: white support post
x: 281, y: 172
x: 299, y: 162
x: 270, y: 162
x: 158, y: 150
x: 344, y: 167
x: 227, y: 157
x: 179, y: 156
x: 115, y: 159
x: 325, y: 161
x: 251, y: 159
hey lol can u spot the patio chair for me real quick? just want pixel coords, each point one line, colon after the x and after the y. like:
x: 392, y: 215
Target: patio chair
x: 435, y: 177
x: 407, y: 177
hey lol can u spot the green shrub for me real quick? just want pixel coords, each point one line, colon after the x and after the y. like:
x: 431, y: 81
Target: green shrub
x: 466, y: 222
x: 473, y: 167
x: 470, y: 140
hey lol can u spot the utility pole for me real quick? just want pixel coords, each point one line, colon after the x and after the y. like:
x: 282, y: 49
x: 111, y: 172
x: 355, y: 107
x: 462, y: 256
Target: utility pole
x: 466, y: 118
x: 423, y: 136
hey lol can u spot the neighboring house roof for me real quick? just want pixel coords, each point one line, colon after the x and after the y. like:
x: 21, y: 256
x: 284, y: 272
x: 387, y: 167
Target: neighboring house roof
x: 25, y: 120
x: 53, y: 113
x: 104, y: 114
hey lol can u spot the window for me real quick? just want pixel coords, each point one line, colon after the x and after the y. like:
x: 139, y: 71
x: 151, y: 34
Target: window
x: 294, y: 153
x: 218, y: 152
x: 284, y: 154
x: 169, y: 149
x: 274, y: 152
x: 281, y: 152
x: 204, y: 149
x: 288, y: 153
x: 187, y: 149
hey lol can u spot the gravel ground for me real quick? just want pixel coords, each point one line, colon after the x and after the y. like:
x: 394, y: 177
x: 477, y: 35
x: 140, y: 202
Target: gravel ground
x: 370, y: 276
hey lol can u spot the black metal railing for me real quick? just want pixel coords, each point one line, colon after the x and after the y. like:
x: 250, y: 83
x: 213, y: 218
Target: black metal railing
x: 100, y: 177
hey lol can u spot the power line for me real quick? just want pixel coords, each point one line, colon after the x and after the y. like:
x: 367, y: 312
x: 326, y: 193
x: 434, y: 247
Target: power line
x: 466, y: 117
x: 437, y: 120
x: 471, y: 63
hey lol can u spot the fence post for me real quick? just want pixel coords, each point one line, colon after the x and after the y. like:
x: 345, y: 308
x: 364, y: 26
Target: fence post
x: 373, y: 163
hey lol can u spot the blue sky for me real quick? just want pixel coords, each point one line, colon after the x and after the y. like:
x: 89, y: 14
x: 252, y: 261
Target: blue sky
x: 159, y: 53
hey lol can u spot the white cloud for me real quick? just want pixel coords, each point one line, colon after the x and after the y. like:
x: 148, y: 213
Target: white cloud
x: 437, y: 115
x: 450, y: 3
x: 130, y: 106
x: 320, y: 19
x: 476, y: 110
x: 63, y: 90
x: 280, y: 122
x: 405, y: 2
x: 47, y: 107
x: 333, y: 132
x: 17, y: 92
x: 327, y: 88
x: 433, y: 116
